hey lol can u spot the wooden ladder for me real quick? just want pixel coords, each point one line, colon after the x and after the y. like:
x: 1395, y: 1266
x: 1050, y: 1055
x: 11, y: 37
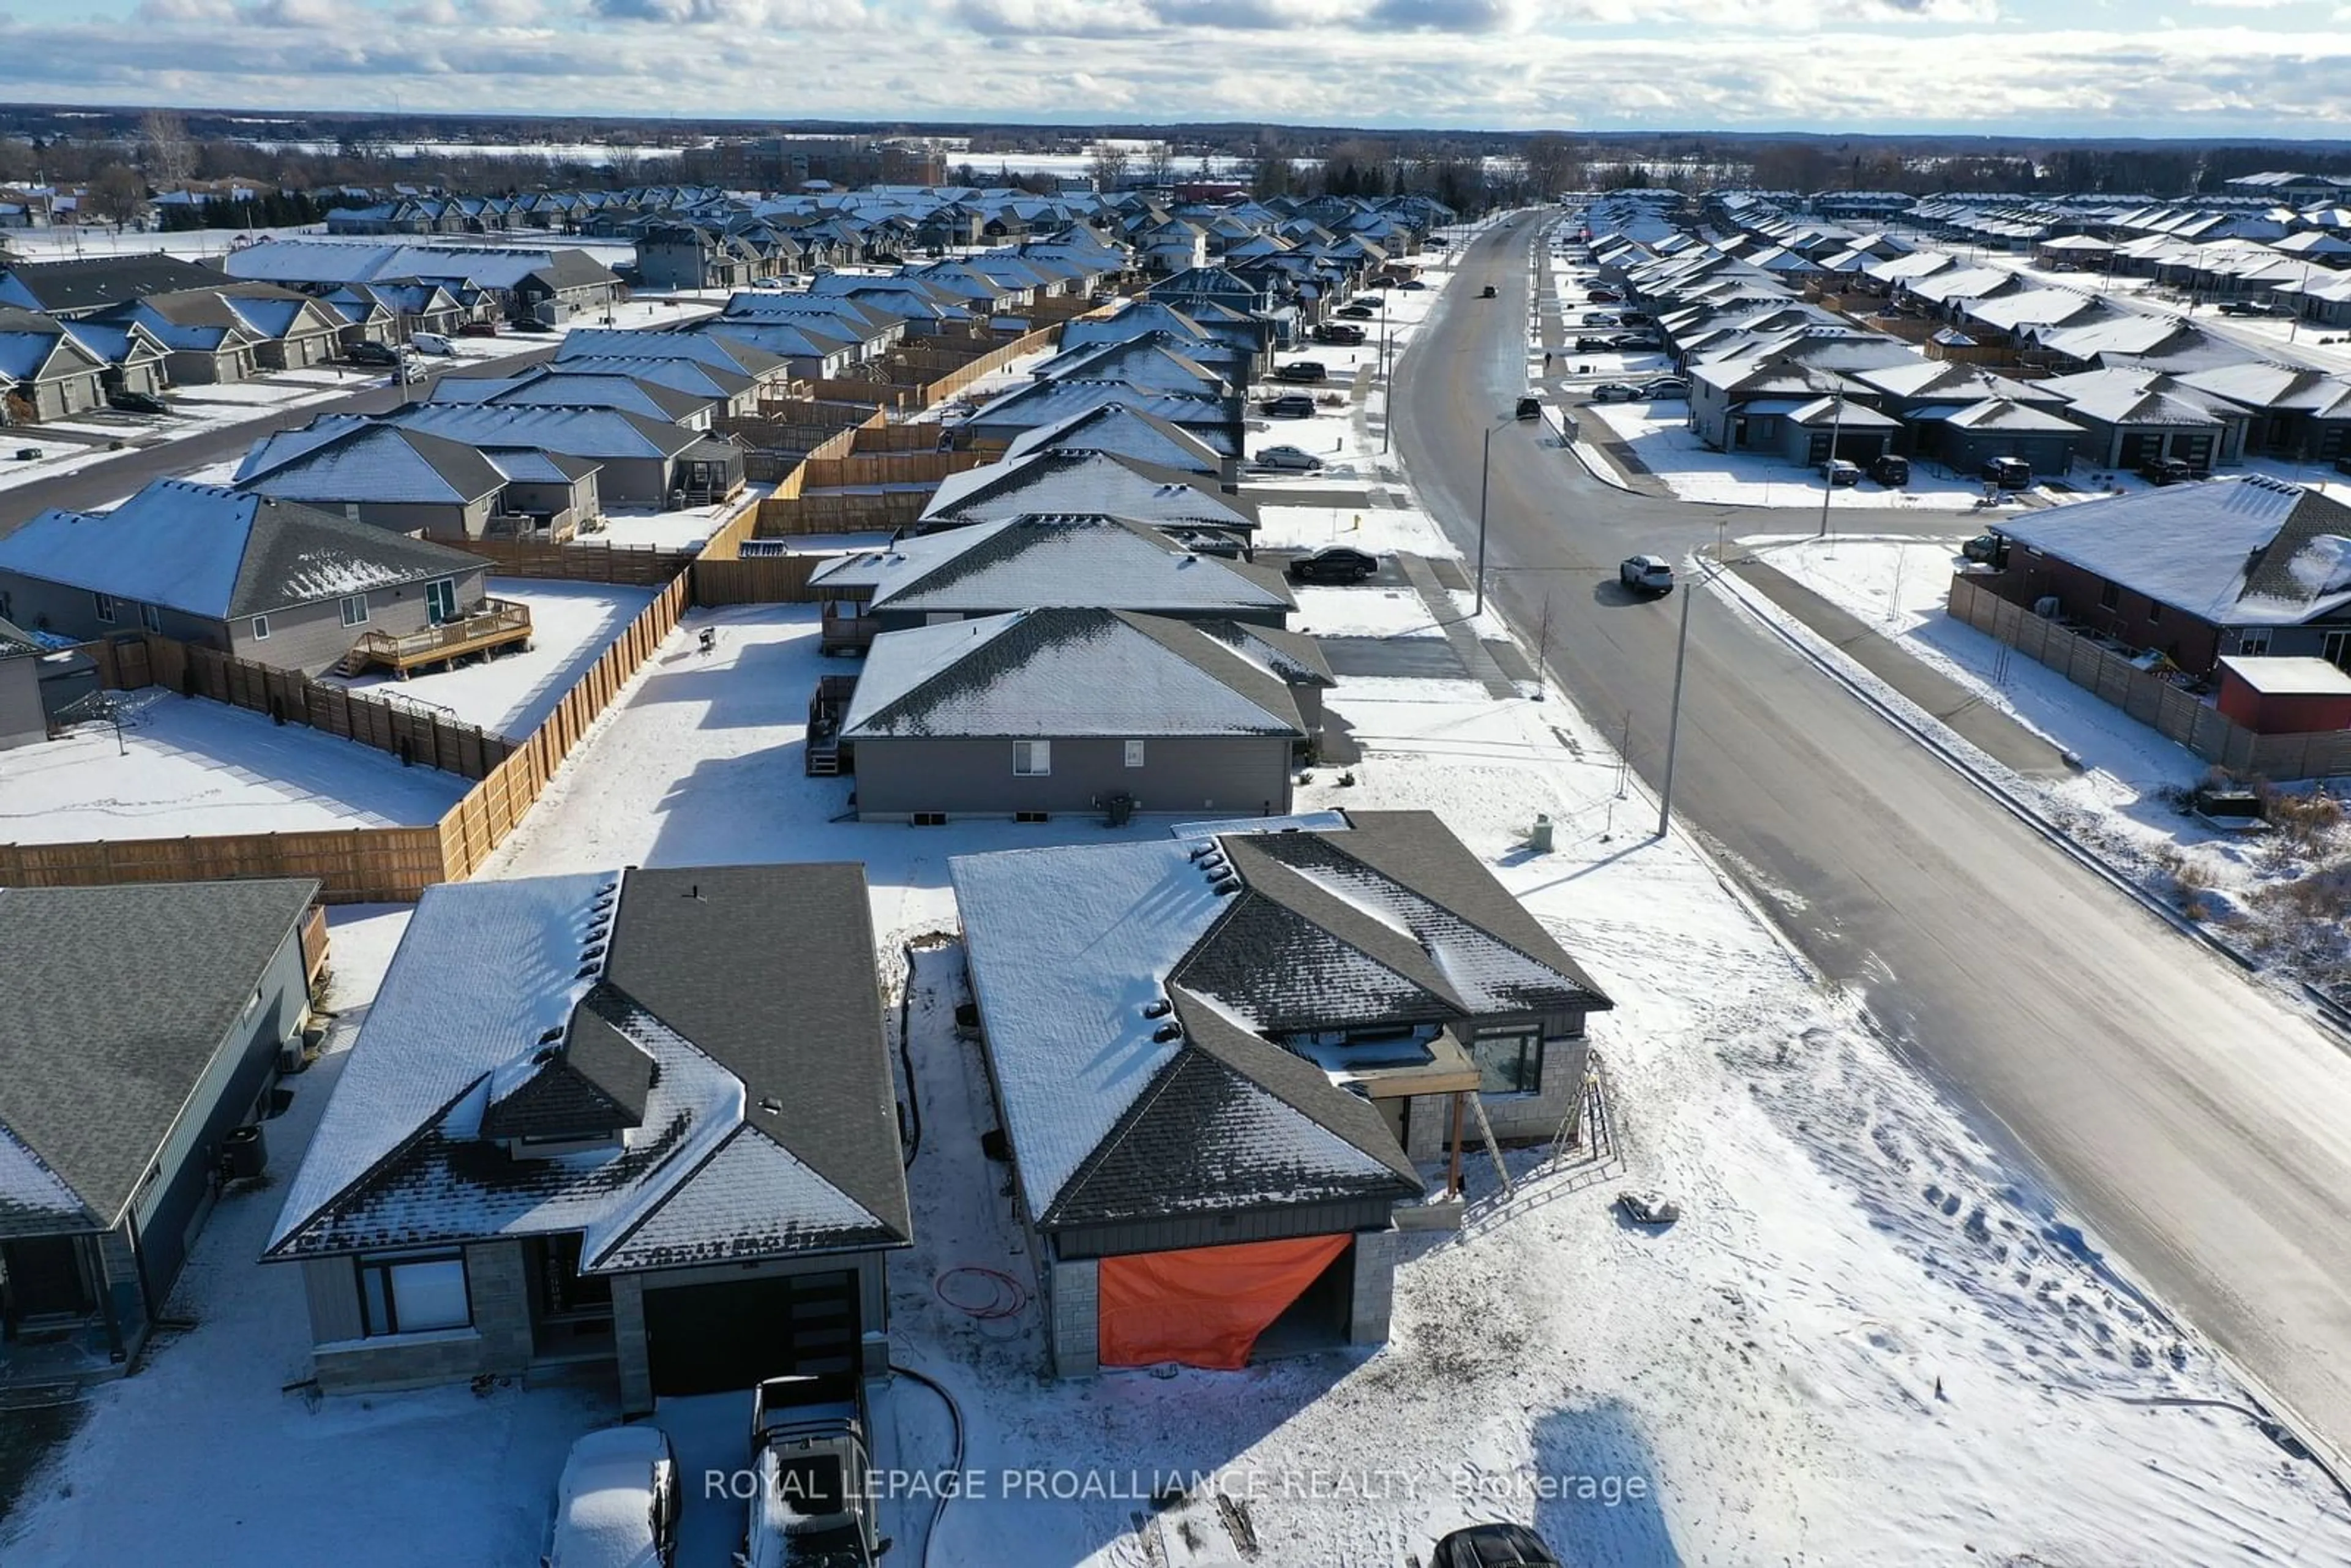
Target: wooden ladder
x: 1486, y: 1131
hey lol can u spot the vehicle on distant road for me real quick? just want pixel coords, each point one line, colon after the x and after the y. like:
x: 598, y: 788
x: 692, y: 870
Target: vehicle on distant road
x: 1985, y: 549
x: 1527, y: 408
x: 1485, y: 293
x: 1296, y: 459
x: 1290, y: 406
x: 528, y: 324
x: 1302, y: 370
x: 1333, y: 563
x: 138, y: 402
x: 1615, y: 392
x: 1647, y: 574
x: 617, y: 1504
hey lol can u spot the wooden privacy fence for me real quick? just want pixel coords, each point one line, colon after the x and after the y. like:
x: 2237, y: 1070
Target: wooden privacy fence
x: 782, y: 516
x: 627, y: 564
x: 354, y: 865
x: 2149, y: 698
x: 414, y: 735
x: 868, y: 468
x: 762, y: 580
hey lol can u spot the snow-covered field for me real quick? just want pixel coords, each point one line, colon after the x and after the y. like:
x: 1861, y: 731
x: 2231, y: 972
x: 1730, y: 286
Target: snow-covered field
x: 572, y: 624
x: 2264, y: 890
x: 197, y: 767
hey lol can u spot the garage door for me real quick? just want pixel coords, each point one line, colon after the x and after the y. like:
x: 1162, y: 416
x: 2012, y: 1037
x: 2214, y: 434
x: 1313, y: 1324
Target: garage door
x: 708, y: 1339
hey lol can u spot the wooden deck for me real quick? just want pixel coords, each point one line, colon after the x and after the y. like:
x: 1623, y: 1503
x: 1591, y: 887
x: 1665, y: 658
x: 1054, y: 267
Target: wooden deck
x: 498, y: 623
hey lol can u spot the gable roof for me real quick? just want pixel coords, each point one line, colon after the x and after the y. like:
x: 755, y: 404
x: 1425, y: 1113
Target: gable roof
x: 1128, y: 989
x: 220, y: 553
x: 92, y: 283
x: 1058, y: 672
x: 98, y: 1059
x: 1128, y: 431
x: 1039, y: 561
x: 761, y: 1120
x: 1086, y: 481
x: 353, y: 459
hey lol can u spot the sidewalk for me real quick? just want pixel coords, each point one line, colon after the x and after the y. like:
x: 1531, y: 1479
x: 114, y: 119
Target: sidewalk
x: 1457, y: 630
x: 1994, y: 733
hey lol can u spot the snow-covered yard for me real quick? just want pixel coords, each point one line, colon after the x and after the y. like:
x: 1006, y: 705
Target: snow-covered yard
x: 1659, y: 435
x: 679, y: 527
x: 1380, y: 530
x: 1362, y: 611
x: 2270, y: 891
x: 189, y: 766
x: 572, y: 624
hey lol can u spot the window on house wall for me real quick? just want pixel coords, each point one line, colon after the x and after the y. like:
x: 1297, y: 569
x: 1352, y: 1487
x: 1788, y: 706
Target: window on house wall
x: 2335, y: 649
x: 103, y: 604
x: 2253, y: 644
x: 355, y: 610
x: 1135, y: 754
x: 1032, y: 758
x: 1508, y: 1060
x: 261, y: 628
x: 5, y: 607
x: 150, y: 616
x: 2154, y: 610
x: 2109, y: 596
x: 413, y: 1293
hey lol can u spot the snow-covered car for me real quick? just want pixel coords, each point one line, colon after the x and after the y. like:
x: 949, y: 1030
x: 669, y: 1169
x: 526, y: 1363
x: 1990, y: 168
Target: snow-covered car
x: 1296, y: 459
x: 616, y: 1506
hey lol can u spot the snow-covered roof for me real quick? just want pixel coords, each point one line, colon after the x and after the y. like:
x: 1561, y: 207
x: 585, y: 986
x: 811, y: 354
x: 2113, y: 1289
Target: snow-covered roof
x: 1037, y: 560
x: 2250, y: 551
x: 1085, y: 481
x: 220, y: 553
x: 1060, y: 673
x: 2303, y: 676
x: 766, y: 1121
x: 1129, y: 431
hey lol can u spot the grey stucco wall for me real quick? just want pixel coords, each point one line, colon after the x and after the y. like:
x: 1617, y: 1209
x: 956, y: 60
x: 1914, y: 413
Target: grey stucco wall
x: 1074, y: 1301
x: 1237, y: 775
x: 1372, y: 1297
x: 73, y: 612
x: 21, y: 720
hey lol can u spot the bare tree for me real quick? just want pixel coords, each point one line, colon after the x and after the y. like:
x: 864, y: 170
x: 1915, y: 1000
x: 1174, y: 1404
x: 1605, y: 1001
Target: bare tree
x: 117, y: 193
x: 164, y: 149
x: 1109, y: 166
x: 1159, y: 166
x: 1551, y: 167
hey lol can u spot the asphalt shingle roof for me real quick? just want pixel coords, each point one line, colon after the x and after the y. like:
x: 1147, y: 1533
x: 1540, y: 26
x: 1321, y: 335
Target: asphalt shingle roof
x: 114, y: 1002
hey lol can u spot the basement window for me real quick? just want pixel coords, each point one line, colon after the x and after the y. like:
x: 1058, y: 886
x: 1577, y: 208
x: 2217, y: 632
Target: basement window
x: 930, y: 819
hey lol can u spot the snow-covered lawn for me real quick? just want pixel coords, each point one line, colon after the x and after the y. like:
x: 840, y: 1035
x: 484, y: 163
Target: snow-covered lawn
x: 195, y: 767
x: 572, y: 624
x: 2259, y: 888
x: 1659, y: 435
x: 681, y: 528
x: 1367, y: 610
x: 1380, y: 530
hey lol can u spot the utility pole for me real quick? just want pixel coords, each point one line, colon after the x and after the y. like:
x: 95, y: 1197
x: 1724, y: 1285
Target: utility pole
x: 1388, y: 385
x: 1836, y: 427
x: 1674, y: 718
x: 1485, y: 482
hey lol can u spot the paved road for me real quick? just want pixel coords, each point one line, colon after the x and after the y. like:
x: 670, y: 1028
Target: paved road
x: 2202, y: 1129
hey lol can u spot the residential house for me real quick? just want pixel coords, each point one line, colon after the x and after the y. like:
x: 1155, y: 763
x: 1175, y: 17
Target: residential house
x: 2296, y: 414
x: 637, y: 1119
x: 86, y: 286
x: 646, y: 462
x: 23, y: 717
x: 1035, y: 561
x: 2250, y: 566
x: 45, y: 372
x: 132, y: 357
x: 1063, y: 710
x: 1963, y: 437
x: 403, y: 480
x: 2132, y: 418
x: 566, y: 385
x: 1187, y: 506
x: 141, y: 1030
x: 1208, y: 1146
x: 273, y: 581
x: 1215, y: 418
x: 1115, y: 428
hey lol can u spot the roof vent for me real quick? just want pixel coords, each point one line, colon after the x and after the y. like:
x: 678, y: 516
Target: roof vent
x: 586, y: 972
x: 1158, y: 1007
x: 550, y: 1036
x: 545, y: 1054
x: 1226, y: 887
x: 1167, y: 1032
x: 771, y: 1105
x: 1204, y: 849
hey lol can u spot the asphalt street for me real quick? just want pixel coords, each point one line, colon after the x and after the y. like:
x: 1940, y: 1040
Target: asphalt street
x: 2194, y: 1122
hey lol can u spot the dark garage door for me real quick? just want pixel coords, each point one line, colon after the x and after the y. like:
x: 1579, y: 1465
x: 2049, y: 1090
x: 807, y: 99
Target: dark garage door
x: 708, y: 1339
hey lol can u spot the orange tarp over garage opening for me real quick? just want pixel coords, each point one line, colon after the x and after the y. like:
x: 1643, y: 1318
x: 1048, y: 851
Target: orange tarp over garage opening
x: 1206, y: 1305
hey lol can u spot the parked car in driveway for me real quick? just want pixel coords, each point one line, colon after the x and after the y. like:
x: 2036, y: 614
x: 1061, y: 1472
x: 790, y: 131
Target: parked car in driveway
x: 1302, y: 370
x: 2008, y: 473
x: 1333, y: 563
x: 1290, y: 406
x: 1600, y: 318
x: 2168, y: 471
x: 137, y: 403
x: 1295, y: 459
x: 1615, y: 392
x: 1647, y: 574
x: 1338, y: 332
x: 1356, y: 312
x: 1664, y: 388
x: 1417, y: 284
x: 430, y: 343
x: 1595, y: 345
x: 1602, y: 297
x: 617, y: 1504
x: 371, y: 353
x: 1890, y: 469
x: 478, y: 329
x: 527, y: 324
x: 1838, y: 472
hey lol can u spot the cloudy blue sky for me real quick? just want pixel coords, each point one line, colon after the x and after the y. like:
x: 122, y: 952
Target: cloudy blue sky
x: 2116, y: 67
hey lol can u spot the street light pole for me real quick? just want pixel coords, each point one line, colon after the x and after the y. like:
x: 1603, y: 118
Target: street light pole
x: 1485, y: 482
x: 1674, y: 718
x: 1387, y: 380
x: 1828, y: 486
